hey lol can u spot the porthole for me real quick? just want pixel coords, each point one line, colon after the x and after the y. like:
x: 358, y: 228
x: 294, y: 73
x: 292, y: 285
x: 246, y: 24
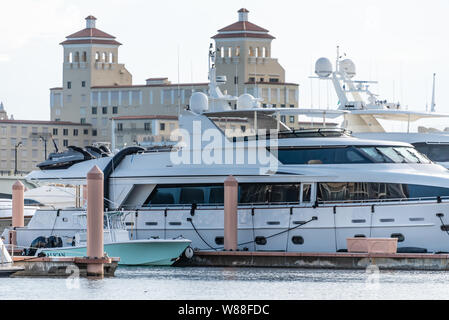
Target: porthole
x: 151, y: 223
x: 298, y: 240
x: 400, y: 236
x: 261, y: 241
x: 219, y: 241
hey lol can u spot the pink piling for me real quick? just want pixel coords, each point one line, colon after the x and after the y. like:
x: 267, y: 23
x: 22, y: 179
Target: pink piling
x: 230, y: 213
x: 95, y: 214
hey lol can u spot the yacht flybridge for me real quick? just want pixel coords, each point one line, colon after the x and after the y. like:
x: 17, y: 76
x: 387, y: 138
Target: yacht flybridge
x: 299, y: 191
x: 362, y: 110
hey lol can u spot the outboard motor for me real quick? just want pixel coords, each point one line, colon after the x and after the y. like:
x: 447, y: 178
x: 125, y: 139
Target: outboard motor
x: 39, y: 242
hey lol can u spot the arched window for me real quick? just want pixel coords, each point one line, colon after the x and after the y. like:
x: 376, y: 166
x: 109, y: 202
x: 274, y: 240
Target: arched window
x: 70, y: 57
x: 84, y: 56
x: 257, y: 52
x: 237, y: 51
x: 77, y: 57
x: 264, y: 52
x: 103, y: 58
x: 97, y: 56
x: 222, y: 52
x: 111, y: 57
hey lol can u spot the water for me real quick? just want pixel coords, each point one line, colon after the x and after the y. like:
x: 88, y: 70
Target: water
x: 234, y: 284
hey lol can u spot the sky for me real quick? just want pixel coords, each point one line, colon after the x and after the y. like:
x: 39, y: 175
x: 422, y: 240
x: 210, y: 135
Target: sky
x: 399, y: 43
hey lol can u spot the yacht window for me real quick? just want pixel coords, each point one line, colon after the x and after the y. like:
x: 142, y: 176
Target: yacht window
x: 394, y: 154
x: 367, y: 191
x: 436, y: 152
x: 306, y: 192
x: 191, y: 195
x: 337, y: 155
x: 250, y: 193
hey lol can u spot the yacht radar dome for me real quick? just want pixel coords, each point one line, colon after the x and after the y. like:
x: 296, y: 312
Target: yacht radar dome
x: 199, y: 102
x: 348, y: 67
x: 246, y: 101
x: 323, y: 67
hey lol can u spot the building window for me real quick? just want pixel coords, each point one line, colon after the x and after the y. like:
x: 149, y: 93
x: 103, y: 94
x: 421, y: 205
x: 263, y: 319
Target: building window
x: 114, y: 110
x: 75, y: 132
x: 292, y: 119
x: 94, y: 132
x: 65, y: 143
x: 236, y: 80
x: 274, y: 80
x: 119, y: 126
x: 162, y: 126
x: 105, y: 110
x: 65, y: 132
x: 283, y: 119
x: 86, y: 131
x: 55, y: 131
x: 252, y: 79
x: 261, y: 79
x: 69, y: 85
x: 94, y: 110
x: 147, y: 126
x: 83, y: 84
x: 292, y: 106
x: 282, y: 105
x: 83, y: 120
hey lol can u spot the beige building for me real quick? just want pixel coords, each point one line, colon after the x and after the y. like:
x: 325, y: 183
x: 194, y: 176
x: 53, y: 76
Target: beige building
x: 143, y: 130
x: 97, y: 88
x: 23, y: 143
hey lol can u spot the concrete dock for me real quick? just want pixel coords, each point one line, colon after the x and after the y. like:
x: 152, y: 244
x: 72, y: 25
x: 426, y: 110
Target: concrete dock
x: 397, y: 261
x: 60, y: 266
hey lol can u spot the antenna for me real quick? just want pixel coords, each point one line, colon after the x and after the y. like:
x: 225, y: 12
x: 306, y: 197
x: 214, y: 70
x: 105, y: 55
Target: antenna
x: 432, y: 106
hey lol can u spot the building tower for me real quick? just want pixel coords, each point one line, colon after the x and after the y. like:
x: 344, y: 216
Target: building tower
x: 90, y: 59
x: 244, y: 56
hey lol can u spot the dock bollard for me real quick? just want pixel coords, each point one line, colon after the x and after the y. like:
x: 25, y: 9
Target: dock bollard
x: 18, y: 209
x: 230, y: 213
x: 95, y: 214
x: 18, y: 190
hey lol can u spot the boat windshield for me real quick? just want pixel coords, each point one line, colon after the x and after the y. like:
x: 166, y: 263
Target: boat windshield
x: 394, y: 154
x: 435, y: 151
x: 350, y: 154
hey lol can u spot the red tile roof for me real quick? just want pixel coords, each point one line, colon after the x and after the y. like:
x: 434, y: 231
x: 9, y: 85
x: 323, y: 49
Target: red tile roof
x: 243, y: 26
x: 86, y: 36
x: 90, y: 32
x: 243, y: 10
x: 91, y: 41
x: 243, y: 35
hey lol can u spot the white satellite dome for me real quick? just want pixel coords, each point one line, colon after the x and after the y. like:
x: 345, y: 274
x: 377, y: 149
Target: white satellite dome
x: 199, y: 102
x: 348, y: 67
x: 246, y: 101
x: 323, y: 67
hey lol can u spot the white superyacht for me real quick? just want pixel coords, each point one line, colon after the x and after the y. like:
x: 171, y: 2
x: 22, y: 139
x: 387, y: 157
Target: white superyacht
x: 299, y: 191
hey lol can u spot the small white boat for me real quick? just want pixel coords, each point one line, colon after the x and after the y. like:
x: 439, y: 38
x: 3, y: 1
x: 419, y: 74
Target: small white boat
x: 146, y: 252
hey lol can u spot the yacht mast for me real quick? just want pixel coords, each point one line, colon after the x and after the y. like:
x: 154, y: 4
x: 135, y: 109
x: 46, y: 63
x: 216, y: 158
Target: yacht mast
x: 432, y: 106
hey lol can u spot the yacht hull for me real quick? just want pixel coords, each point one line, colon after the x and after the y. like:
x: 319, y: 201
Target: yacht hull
x: 272, y: 228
